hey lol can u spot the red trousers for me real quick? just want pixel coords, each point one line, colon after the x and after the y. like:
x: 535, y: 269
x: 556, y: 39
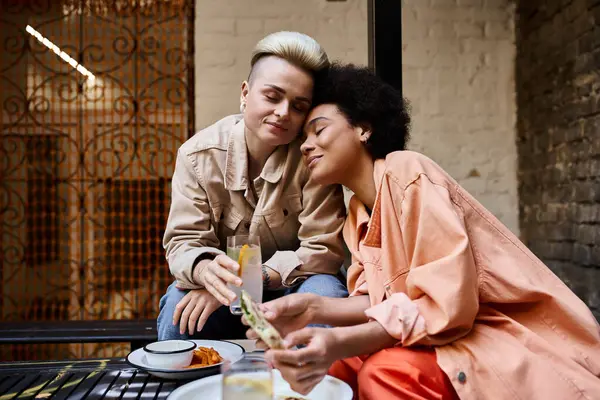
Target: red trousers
x: 395, y: 373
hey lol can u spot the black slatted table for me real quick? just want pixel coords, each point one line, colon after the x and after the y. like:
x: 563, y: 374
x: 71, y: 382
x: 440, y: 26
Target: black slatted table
x: 80, y: 379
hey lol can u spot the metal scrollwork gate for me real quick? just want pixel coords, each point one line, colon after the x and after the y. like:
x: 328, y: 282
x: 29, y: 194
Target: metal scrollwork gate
x: 85, y: 164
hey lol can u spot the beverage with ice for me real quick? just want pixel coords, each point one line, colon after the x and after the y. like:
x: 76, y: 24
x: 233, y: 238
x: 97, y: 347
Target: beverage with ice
x: 245, y: 250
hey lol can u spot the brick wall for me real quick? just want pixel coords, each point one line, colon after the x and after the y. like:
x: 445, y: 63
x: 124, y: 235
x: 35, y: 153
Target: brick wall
x: 458, y: 58
x: 227, y: 30
x: 558, y: 85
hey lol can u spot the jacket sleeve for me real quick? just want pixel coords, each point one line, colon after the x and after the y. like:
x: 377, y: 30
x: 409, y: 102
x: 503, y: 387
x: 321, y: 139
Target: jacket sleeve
x: 442, y: 292
x: 189, y: 233
x: 320, y: 234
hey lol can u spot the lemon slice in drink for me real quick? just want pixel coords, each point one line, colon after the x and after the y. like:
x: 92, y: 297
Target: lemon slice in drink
x: 241, y: 259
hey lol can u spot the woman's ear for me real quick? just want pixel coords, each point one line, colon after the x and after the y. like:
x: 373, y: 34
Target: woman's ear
x: 364, y: 132
x: 244, y: 95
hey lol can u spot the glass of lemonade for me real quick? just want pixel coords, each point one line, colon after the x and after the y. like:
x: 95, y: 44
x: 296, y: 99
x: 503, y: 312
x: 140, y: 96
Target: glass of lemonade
x: 248, y: 379
x: 245, y: 250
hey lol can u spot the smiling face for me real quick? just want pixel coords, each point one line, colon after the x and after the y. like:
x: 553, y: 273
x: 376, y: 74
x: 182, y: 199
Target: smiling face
x: 333, y: 148
x: 277, y: 97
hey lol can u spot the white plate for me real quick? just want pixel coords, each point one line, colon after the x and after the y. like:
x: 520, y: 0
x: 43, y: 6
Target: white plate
x: 328, y: 388
x: 229, y: 351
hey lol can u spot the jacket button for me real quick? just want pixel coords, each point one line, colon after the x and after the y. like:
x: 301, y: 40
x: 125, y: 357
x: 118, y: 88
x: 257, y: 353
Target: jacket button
x: 247, y: 225
x: 462, y: 377
x: 285, y: 212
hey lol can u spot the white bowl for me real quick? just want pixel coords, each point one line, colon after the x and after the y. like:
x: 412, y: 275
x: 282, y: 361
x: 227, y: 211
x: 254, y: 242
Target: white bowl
x: 170, y: 354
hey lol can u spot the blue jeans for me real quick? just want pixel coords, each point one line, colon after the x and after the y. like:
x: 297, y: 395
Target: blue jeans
x: 224, y: 325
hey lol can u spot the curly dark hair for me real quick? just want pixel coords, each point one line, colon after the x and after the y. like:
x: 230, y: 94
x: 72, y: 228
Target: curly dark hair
x: 365, y: 99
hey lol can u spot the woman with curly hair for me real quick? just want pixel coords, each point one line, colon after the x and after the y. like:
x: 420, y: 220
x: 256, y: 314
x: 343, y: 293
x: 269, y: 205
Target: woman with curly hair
x: 445, y: 301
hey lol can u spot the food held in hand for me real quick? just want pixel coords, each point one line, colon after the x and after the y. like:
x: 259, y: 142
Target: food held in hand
x: 258, y: 322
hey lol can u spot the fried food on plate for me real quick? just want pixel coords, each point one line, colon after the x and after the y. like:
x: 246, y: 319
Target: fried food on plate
x: 205, y: 356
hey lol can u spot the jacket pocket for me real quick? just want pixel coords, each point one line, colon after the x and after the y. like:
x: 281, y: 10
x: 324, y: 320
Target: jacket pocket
x: 229, y: 223
x: 283, y: 222
x: 287, y: 211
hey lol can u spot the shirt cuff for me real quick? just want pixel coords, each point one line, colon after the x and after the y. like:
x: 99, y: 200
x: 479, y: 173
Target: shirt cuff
x: 182, y: 267
x: 400, y: 317
x: 285, y: 262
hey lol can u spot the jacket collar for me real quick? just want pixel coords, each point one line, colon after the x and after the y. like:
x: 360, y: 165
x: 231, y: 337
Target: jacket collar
x: 360, y: 220
x: 236, y: 165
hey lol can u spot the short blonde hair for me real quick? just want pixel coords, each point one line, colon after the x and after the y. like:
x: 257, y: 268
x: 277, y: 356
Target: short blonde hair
x: 294, y: 47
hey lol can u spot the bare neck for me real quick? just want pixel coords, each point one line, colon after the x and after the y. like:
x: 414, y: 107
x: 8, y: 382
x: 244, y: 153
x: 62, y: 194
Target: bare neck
x: 258, y: 153
x: 362, y: 182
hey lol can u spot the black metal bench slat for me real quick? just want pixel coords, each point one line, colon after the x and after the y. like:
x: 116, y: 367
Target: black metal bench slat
x: 120, y: 385
x: 136, y: 385
x: 77, y: 331
x: 36, y: 387
x: 76, y: 379
x: 17, y: 387
x: 167, y: 388
x: 84, y: 387
x: 9, y: 383
x: 56, y: 382
x: 90, y: 379
x: 136, y: 332
x: 103, y: 386
x: 150, y: 390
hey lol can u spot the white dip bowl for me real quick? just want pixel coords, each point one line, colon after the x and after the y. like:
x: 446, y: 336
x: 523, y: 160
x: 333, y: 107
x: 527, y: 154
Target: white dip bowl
x: 170, y: 354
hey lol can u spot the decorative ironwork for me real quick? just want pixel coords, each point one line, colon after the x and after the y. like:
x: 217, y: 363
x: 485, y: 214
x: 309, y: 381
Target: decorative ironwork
x: 121, y: 7
x: 85, y: 166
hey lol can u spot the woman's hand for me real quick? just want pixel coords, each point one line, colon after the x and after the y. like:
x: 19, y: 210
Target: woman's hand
x: 192, y: 312
x: 287, y: 314
x: 303, y: 369
x: 216, y: 274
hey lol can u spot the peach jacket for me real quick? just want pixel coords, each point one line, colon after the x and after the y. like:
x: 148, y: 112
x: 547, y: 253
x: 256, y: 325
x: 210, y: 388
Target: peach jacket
x: 442, y: 271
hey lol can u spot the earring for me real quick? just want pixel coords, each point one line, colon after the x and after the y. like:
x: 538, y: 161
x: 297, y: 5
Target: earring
x: 242, y: 106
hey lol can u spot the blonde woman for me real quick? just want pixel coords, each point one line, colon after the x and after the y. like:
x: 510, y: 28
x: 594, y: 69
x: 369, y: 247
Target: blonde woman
x: 244, y: 175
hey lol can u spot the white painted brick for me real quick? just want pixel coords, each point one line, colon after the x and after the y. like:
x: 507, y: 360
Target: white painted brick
x: 461, y: 87
x: 417, y: 55
x: 457, y: 75
x: 414, y: 29
x: 468, y: 29
x: 502, y: 4
x: 497, y: 30
x: 221, y: 58
x: 218, y: 25
x: 470, y: 3
x: 416, y: 3
x: 443, y: 3
x: 249, y: 25
x: 441, y: 30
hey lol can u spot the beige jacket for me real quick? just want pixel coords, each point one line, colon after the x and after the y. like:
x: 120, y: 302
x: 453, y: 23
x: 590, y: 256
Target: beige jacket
x: 442, y: 271
x: 299, y: 222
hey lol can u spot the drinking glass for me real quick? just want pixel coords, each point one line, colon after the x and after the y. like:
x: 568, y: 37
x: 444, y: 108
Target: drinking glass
x: 248, y: 379
x: 245, y: 250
